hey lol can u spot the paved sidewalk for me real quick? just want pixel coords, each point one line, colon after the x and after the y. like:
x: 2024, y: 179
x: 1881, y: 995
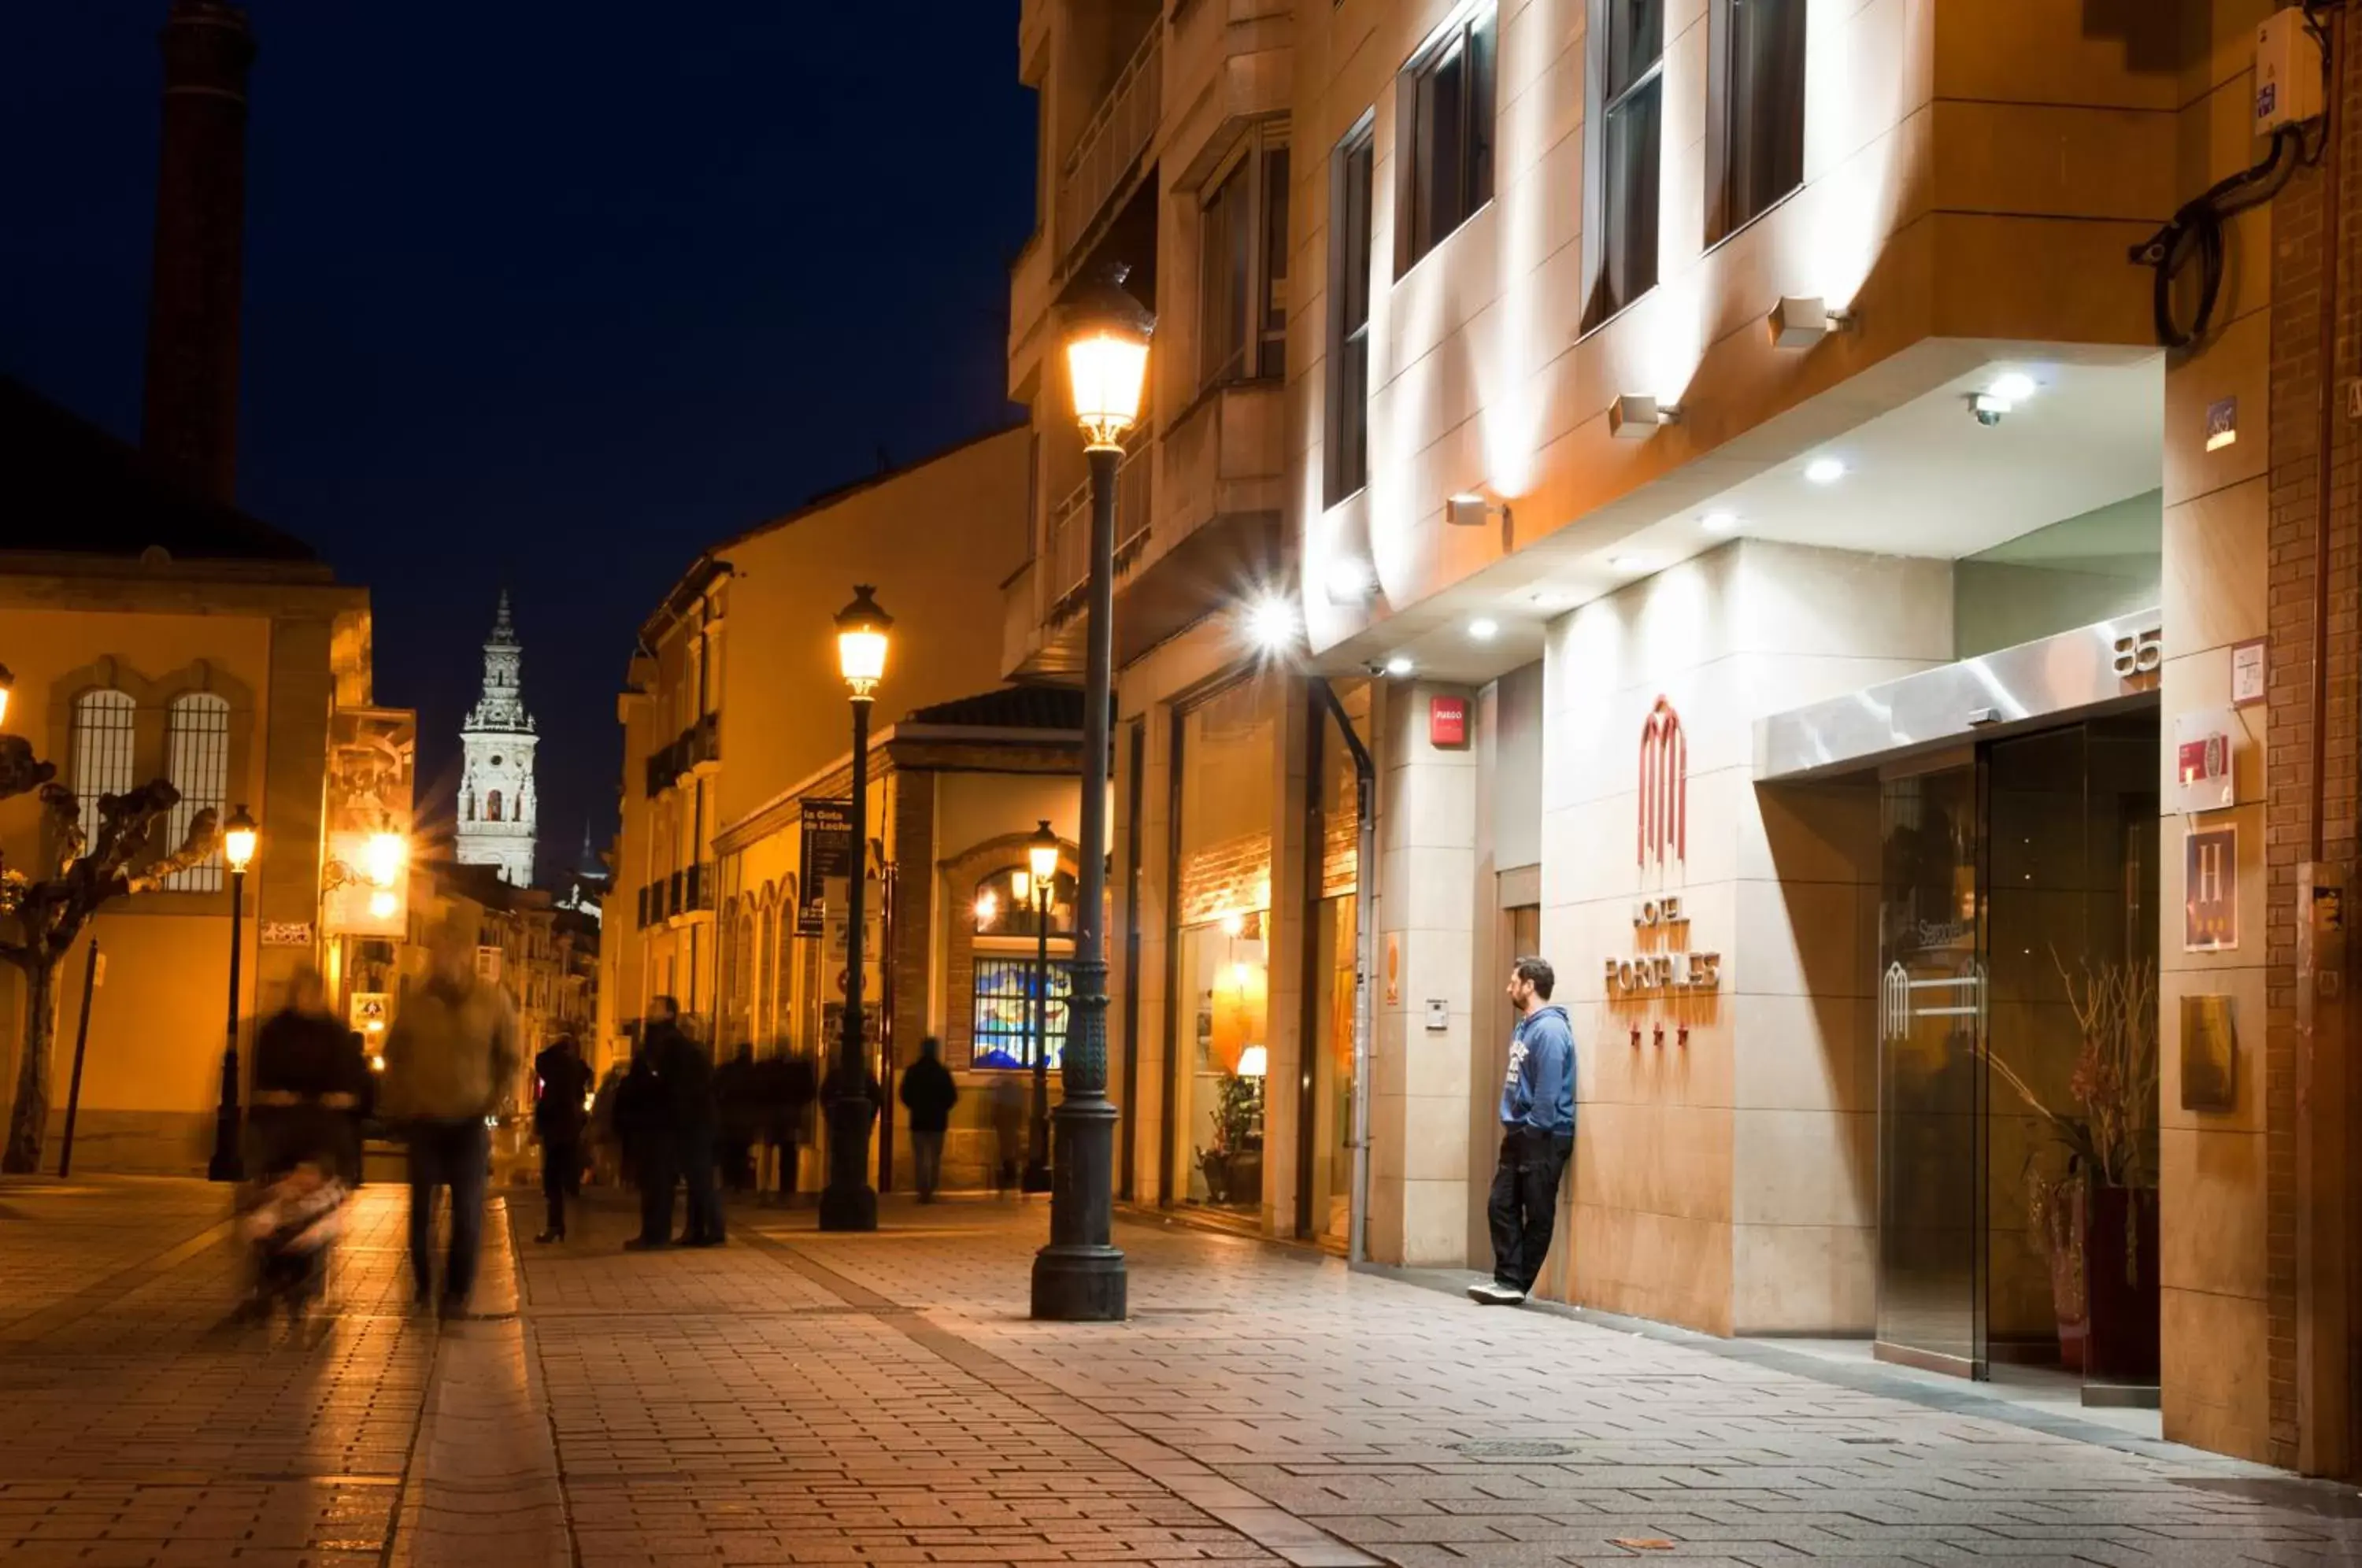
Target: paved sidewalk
x: 799, y: 1398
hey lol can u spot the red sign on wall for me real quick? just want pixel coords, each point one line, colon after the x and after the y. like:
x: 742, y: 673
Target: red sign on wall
x: 1447, y: 721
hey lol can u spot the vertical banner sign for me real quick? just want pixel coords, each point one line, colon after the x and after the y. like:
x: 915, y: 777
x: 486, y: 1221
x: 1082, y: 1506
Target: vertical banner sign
x: 2211, y: 891
x: 1447, y: 722
x: 827, y: 854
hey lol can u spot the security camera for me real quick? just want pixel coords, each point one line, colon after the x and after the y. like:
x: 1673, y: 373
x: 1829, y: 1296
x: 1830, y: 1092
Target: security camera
x: 1988, y: 408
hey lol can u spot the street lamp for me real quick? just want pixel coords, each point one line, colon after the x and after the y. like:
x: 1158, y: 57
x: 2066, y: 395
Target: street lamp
x: 239, y: 837
x: 7, y: 684
x: 1079, y: 1276
x: 849, y: 1202
x: 1041, y: 867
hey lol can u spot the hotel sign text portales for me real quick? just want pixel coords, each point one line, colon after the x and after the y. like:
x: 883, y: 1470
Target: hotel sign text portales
x: 1666, y: 973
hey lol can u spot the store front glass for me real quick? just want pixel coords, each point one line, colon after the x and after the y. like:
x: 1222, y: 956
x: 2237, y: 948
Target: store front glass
x: 2019, y: 880
x: 1224, y: 772
x: 1333, y: 910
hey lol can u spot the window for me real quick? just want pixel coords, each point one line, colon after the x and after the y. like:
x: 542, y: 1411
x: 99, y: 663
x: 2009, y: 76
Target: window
x: 1348, y: 315
x: 1243, y: 272
x: 102, y: 751
x: 1446, y: 131
x: 1004, y: 1019
x: 492, y: 807
x: 199, y: 757
x: 1758, y: 91
x: 1628, y: 69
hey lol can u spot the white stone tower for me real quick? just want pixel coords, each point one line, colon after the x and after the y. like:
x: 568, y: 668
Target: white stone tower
x: 497, y: 803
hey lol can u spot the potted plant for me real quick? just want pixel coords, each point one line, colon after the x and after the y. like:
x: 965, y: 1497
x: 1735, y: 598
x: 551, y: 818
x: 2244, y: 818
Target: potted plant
x: 1232, y: 1164
x: 2098, y: 1223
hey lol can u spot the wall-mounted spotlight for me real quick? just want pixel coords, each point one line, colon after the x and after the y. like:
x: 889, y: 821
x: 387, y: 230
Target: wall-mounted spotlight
x: 1398, y: 666
x: 1799, y: 320
x: 1469, y: 510
x: 1349, y: 581
x: 1636, y: 418
x: 1988, y: 408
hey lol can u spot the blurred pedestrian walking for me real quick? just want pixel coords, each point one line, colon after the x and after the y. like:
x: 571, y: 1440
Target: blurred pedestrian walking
x: 606, y: 1141
x: 452, y: 1049
x: 785, y: 1089
x: 738, y: 1117
x: 560, y: 1113
x: 687, y: 1074
x: 1008, y: 1132
x: 929, y: 1094
x: 644, y: 1128
x: 309, y: 1082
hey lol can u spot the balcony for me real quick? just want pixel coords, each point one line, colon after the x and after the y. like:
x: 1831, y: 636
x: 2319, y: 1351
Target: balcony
x: 1113, y: 147
x: 690, y: 894
x: 696, y: 750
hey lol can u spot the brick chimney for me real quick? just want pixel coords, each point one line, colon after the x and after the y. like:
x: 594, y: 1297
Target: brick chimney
x: 190, y: 433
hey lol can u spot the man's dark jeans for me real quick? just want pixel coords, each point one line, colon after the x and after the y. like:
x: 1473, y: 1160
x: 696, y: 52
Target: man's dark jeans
x: 456, y: 1155
x: 561, y: 1175
x: 659, y: 1169
x: 701, y: 1224
x: 927, y: 1160
x: 1524, y: 1207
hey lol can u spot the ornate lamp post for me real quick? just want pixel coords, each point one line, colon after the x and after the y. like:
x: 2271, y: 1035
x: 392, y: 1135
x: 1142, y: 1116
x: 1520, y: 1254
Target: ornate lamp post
x: 1041, y: 866
x: 849, y: 1202
x: 239, y: 836
x: 1079, y: 1276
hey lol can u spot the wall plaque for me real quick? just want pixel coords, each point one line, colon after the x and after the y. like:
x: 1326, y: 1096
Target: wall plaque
x: 2210, y: 1047
x: 2210, y: 894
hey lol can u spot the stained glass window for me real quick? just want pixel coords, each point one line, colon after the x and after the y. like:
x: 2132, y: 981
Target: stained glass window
x: 1005, y: 993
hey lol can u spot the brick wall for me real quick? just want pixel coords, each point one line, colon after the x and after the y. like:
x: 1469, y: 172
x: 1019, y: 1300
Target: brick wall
x: 2298, y: 217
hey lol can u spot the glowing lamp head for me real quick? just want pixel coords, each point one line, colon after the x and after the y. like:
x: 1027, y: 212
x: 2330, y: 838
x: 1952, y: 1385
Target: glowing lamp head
x: 987, y: 907
x: 1254, y: 1062
x: 1270, y: 623
x: 1233, y: 924
x: 861, y: 628
x: 1021, y: 886
x: 1107, y: 334
x: 381, y: 905
x: 1041, y: 856
x: 239, y: 836
x: 7, y: 684
x: 383, y: 857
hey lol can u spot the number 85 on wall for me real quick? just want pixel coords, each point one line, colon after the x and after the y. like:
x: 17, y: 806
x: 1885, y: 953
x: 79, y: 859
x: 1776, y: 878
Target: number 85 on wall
x: 2139, y: 654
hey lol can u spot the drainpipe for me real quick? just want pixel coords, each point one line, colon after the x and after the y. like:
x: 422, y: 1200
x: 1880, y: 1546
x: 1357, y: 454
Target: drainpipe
x: 2326, y: 1262
x: 1365, y: 937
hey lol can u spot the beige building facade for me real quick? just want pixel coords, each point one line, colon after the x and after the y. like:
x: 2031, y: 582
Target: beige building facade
x: 734, y: 697
x: 1732, y: 472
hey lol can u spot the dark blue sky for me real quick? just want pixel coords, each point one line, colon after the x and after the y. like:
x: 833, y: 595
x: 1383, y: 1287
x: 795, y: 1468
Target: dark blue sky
x: 554, y: 293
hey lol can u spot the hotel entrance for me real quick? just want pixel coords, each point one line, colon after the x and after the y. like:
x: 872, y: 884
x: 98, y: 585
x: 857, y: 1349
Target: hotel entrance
x: 2017, y: 1056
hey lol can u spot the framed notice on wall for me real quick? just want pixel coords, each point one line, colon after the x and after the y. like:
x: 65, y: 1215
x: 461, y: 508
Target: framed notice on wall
x: 2209, y: 894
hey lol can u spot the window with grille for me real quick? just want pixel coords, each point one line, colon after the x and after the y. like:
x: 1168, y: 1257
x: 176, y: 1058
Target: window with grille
x: 102, y: 751
x: 1004, y: 1021
x: 198, y: 759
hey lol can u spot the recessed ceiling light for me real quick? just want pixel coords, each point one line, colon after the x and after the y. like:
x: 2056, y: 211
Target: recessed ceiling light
x: 2013, y: 386
x: 1399, y: 665
x: 1719, y: 522
x: 1483, y: 628
x: 1824, y: 470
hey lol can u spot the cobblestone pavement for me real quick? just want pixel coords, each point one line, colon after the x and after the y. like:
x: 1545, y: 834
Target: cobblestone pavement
x: 800, y: 1397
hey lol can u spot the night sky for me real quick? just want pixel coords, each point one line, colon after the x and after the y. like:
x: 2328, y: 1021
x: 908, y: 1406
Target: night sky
x: 554, y: 295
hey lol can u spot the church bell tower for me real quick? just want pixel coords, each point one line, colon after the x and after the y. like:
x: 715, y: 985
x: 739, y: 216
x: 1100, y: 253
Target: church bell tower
x: 497, y: 803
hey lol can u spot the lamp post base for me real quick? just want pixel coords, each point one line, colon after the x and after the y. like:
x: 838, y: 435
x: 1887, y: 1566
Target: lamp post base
x: 848, y: 1202
x: 1080, y: 1276
x: 228, y: 1162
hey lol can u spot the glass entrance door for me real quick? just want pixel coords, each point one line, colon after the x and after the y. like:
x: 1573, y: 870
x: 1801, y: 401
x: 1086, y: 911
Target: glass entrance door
x: 1931, y: 1297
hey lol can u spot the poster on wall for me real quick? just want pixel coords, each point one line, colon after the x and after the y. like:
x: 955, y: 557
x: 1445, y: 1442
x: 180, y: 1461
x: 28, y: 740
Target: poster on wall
x: 2210, y: 894
x: 827, y: 852
x: 2208, y: 1046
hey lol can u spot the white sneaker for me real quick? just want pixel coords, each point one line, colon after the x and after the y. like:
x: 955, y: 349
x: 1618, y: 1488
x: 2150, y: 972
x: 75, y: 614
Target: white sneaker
x: 1493, y: 1293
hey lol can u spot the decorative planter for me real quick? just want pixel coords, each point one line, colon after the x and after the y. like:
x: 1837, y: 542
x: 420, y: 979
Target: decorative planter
x: 2120, y: 1281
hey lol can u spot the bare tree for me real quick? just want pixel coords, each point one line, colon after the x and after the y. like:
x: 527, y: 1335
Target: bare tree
x: 47, y: 912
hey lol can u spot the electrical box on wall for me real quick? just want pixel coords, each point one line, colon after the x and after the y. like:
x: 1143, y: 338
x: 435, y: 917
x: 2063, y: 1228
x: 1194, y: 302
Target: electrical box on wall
x: 2289, y: 87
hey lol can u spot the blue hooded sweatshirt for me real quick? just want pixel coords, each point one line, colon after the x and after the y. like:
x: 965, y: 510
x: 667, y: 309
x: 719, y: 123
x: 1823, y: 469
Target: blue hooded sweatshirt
x: 1539, y: 1092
